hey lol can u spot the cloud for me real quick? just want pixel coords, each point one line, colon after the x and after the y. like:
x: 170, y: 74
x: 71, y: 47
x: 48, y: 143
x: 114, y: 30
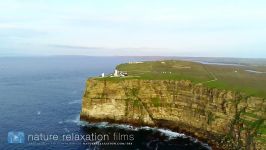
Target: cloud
x: 9, y: 26
x: 117, y: 27
x: 75, y: 47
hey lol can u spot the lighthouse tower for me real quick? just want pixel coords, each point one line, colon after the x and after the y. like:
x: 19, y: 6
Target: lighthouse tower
x: 116, y: 73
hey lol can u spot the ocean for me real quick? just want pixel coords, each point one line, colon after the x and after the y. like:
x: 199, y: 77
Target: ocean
x: 40, y: 102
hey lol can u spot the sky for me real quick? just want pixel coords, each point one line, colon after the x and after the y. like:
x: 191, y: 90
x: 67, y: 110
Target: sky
x: 196, y: 28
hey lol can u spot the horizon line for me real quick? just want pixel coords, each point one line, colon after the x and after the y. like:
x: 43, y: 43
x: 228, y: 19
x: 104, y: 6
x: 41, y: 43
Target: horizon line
x: 165, y: 56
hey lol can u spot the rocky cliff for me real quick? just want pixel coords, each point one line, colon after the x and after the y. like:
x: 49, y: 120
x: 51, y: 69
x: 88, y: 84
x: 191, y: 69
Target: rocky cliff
x: 227, y: 119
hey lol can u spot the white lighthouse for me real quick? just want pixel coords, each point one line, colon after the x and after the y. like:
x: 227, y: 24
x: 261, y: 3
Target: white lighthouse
x: 102, y: 75
x: 116, y: 73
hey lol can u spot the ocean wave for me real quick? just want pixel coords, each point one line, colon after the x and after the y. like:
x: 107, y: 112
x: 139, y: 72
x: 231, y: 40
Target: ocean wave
x: 76, y: 120
x: 170, y: 133
x: 166, y: 132
x: 77, y: 101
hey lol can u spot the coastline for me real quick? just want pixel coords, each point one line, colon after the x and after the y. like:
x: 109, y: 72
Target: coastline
x: 173, y: 127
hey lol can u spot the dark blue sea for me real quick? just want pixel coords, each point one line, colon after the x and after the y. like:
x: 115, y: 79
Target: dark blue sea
x: 41, y: 97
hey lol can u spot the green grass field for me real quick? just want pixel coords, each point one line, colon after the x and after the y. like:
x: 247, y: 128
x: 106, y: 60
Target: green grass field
x: 218, y: 76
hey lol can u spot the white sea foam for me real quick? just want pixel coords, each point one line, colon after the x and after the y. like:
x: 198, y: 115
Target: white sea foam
x: 169, y: 133
x: 76, y: 120
x: 66, y: 130
x: 38, y: 112
x: 166, y: 132
x: 77, y: 101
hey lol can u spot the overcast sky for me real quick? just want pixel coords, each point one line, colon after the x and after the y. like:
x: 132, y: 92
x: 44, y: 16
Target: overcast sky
x: 223, y: 28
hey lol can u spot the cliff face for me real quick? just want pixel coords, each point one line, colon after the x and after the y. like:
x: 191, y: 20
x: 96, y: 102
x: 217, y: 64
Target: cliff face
x: 227, y: 119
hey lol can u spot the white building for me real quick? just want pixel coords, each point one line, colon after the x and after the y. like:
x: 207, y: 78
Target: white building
x: 102, y: 75
x: 116, y: 73
x: 119, y: 73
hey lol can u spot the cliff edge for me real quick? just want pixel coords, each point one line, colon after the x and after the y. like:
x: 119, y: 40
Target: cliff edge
x: 226, y: 119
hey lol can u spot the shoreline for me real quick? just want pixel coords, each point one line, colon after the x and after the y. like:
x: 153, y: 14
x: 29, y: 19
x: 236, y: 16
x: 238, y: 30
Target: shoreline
x: 175, y: 128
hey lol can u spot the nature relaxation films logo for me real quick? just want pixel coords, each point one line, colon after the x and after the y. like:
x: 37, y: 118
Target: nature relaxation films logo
x: 16, y: 137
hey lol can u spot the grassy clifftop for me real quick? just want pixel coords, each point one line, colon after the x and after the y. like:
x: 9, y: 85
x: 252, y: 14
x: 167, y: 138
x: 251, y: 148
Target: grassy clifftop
x: 249, y: 79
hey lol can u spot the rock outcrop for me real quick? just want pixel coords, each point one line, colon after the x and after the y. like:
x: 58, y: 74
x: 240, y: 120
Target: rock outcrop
x: 224, y: 119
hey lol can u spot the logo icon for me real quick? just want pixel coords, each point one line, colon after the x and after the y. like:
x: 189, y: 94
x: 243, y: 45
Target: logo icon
x: 15, y: 137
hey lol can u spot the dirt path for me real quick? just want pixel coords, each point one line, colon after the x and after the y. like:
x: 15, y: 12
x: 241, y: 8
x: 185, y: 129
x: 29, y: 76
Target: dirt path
x: 211, y: 74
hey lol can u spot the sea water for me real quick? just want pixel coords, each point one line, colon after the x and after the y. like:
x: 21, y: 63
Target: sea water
x: 40, y: 102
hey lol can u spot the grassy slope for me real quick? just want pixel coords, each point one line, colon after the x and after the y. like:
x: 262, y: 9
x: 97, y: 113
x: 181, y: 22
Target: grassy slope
x: 227, y: 77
